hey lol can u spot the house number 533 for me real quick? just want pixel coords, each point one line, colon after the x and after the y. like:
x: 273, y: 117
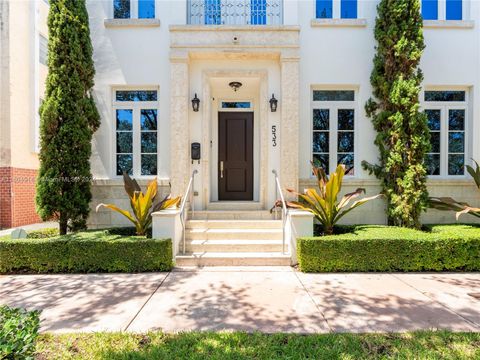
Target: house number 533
x: 274, y: 135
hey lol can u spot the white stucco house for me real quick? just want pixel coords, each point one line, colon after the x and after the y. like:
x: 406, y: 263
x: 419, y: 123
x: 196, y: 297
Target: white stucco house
x: 279, y: 83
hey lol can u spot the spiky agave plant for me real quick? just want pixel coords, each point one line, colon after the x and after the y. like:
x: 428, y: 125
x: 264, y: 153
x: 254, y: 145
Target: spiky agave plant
x: 450, y: 204
x: 324, y: 204
x: 143, y: 205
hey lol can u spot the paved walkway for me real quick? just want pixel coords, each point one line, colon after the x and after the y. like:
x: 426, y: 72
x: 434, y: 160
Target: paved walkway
x: 250, y: 298
x: 39, y: 226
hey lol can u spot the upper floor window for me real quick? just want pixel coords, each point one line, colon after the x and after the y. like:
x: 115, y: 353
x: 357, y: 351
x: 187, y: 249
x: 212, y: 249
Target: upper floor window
x: 136, y: 127
x: 124, y: 9
x: 43, y: 50
x: 333, y: 129
x: 235, y: 12
x: 447, y: 120
x: 453, y: 9
x: 324, y: 9
x: 146, y: 9
x: 121, y: 9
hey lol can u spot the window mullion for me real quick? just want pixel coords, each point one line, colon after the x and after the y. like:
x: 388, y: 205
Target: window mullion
x: 333, y: 137
x: 336, y: 11
x: 134, y: 9
x: 136, y: 141
x: 444, y: 139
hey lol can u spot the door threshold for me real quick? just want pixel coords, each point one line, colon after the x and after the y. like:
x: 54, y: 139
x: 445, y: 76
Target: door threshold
x: 235, y: 205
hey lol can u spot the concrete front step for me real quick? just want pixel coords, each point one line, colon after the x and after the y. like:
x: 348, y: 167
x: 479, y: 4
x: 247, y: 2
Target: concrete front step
x: 231, y: 215
x: 234, y: 234
x: 199, y: 246
x: 233, y: 259
x: 237, y: 205
x: 237, y: 224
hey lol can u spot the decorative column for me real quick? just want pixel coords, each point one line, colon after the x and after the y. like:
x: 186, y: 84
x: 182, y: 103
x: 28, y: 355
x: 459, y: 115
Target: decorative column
x: 179, y: 126
x: 289, y: 122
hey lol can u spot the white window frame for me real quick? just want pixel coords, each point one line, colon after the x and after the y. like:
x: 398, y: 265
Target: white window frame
x: 333, y: 107
x: 136, y: 107
x: 444, y: 107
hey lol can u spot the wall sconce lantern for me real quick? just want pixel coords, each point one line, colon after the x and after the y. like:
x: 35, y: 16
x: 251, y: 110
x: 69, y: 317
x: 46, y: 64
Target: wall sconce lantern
x: 273, y: 103
x: 195, y: 103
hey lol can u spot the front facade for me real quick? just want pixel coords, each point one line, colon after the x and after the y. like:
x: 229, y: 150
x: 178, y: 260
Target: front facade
x: 314, y: 58
x: 154, y: 57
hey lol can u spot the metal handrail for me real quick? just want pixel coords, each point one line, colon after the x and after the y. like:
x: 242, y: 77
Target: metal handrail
x: 278, y: 190
x: 184, y: 201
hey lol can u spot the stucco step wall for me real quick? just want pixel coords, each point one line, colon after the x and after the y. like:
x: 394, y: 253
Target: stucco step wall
x: 233, y: 259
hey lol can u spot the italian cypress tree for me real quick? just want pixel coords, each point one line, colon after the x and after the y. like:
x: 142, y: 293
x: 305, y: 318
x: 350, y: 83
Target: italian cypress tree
x: 68, y: 118
x: 403, y: 137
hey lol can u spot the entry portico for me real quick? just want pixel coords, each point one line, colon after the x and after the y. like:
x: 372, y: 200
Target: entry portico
x: 203, y: 61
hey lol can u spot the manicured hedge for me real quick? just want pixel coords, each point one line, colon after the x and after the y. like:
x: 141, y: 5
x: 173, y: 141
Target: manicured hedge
x: 90, y: 251
x: 383, y: 248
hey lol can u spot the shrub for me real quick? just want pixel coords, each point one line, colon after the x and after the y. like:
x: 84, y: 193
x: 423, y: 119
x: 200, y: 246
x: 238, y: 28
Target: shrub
x: 143, y: 205
x: 449, y: 204
x: 381, y: 248
x: 42, y: 233
x: 403, y: 137
x: 18, y: 332
x: 85, y: 252
x: 126, y: 231
x: 324, y: 205
x: 68, y: 118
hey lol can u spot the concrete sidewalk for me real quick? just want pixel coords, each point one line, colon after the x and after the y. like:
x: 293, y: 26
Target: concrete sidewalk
x: 30, y: 227
x: 275, y: 299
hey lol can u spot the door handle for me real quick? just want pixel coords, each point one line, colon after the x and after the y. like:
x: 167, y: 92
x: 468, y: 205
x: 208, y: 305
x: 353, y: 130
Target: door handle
x: 221, y: 169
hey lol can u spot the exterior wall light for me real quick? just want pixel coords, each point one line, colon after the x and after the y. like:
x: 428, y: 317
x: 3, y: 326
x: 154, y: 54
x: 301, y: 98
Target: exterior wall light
x: 195, y: 103
x: 273, y: 103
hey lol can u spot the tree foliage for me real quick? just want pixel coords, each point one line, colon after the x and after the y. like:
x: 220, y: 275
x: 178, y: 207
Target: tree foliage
x: 403, y: 137
x: 68, y: 118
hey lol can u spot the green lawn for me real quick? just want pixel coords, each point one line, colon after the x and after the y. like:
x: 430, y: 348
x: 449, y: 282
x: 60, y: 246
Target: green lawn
x: 238, y: 345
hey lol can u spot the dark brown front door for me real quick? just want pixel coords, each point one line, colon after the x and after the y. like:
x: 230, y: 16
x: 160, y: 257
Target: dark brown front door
x: 235, y: 156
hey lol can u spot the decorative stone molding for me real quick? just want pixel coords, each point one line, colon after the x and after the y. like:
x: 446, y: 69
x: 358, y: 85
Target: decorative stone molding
x: 126, y: 23
x: 191, y: 42
x: 289, y: 127
x: 448, y: 24
x: 338, y: 23
x: 206, y: 127
x: 179, y: 126
x: 234, y: 37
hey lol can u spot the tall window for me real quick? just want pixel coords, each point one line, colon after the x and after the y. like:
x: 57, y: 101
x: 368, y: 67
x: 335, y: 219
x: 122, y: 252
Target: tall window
x: 213, y: 12
x: 43, y: 50
x: 121, y: 9
x: 447, y: 119
x: 333, y: 129
x: 453, y: 9
x: 324, y: 9
x: 258, y: 12
x: 348, y: 9
x: 136, y: 138
x: 430, y: 9
x: 146, y: 9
